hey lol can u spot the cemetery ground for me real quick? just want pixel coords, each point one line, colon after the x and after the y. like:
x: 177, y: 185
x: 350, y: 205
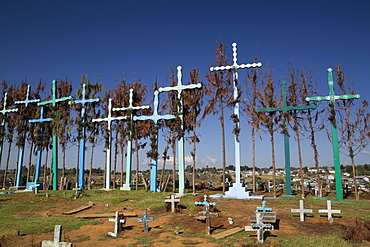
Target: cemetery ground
x: 26, y: 219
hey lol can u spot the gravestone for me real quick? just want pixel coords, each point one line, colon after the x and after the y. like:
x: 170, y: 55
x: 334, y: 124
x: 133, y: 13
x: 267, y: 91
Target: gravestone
x: 266, y: 213
x: 260, y: 227
x: 173, y: 202
x: 208, y: 214
x: 145, y: 219
x: 329, y: 211
x: 118, y: 221
x: 301, y: 210
x: 57, y: 239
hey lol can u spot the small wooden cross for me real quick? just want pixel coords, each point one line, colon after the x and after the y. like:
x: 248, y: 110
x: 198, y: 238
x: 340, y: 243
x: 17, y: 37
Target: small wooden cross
x: 329, y: 211
x: 173, y: 202
x: 260, y: 227
x: 118, y: 221
x: 145, y: 220
x: 57, y: 239
x: 301, y: 210
x: 263, y: 208
x: 208, y: 214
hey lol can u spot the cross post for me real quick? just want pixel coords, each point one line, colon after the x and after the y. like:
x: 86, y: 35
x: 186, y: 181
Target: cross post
x: 236, y: 191
x: 173, y: 202
x: 334, y: 132
x: 301, y: 210
x: 130, y: 108
x: 54, y: 102
x: 118, y: 221
x: 145, y: 219
x: 180, y: 144
x: 83, y: 101
x: 109, y: 120
x: 260, y: 227
x: 285, y: 108
x: 21, y: 149
x: 155, y: 118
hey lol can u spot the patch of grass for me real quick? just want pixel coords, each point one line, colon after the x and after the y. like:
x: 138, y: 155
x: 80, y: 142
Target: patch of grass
x: 315, y: 241
x: 81, y: 239
x: 144, y: 241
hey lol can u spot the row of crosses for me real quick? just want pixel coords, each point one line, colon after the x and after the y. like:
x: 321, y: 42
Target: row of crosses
x: 237, y: 191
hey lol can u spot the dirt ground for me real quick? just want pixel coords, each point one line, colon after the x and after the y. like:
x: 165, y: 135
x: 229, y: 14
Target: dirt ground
x: 162, y: 228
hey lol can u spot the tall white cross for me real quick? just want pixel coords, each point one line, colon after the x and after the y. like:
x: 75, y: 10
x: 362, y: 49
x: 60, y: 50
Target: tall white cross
x: 109, y: 120
x: 129, y: 143
x: 181, y: 155
x: 234, y: 68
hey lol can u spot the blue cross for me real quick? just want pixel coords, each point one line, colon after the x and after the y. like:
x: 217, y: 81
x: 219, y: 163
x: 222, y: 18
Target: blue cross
x: 145, y: 219
x: 155, y: 118
x: 204, y: 203
x: 263, y: 208
x: 82, y: 101
x: 39, y: 151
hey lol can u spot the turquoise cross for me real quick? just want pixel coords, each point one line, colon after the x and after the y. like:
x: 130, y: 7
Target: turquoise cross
x: 285, y: 108
x: 334, y: 132
x: 181, y: 155
x: 54, y: 102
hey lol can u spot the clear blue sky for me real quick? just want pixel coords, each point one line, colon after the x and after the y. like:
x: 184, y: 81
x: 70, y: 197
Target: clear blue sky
x: 57, y: 39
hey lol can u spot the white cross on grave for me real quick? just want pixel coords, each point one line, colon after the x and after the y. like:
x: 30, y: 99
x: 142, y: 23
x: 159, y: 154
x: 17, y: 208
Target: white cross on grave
x: 208, y: 214
x: 329, y: 211
x: 173, y: 202
x: 118, y: 221
x: 57, y: 239
x: 301, y: 210
x: 260, y: 227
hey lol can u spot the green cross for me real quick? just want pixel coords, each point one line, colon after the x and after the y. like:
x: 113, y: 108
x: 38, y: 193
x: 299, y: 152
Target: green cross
x: 54, y: 102
x: 285, y: 108
x: 334, y: 132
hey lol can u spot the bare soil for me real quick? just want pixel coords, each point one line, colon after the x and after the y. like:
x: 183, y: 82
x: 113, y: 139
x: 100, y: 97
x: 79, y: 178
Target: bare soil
x: 162, y: 231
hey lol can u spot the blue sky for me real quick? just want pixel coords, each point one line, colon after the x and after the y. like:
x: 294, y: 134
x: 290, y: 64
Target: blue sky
x: 140, y: 39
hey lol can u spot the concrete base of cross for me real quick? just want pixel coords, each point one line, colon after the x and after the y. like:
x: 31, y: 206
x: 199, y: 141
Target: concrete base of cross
x: 237, y: 191
x: 127, y: 187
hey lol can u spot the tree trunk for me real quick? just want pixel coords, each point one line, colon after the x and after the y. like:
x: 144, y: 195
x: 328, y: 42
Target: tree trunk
x: 137, y: 164
x: 273, y: 161
x: 46, y: 164
x: 78, y: 160
x: 300, y: 159
x: 122, y: 163
x: 91, y: 165
x: 115, y: 162
x: 64, y: 161
x: 161, y: 182
x: 174, y: 166
x: 222, y: 122
x: 193, y: 154
x: 352, y: 156
x: 7, y: 163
